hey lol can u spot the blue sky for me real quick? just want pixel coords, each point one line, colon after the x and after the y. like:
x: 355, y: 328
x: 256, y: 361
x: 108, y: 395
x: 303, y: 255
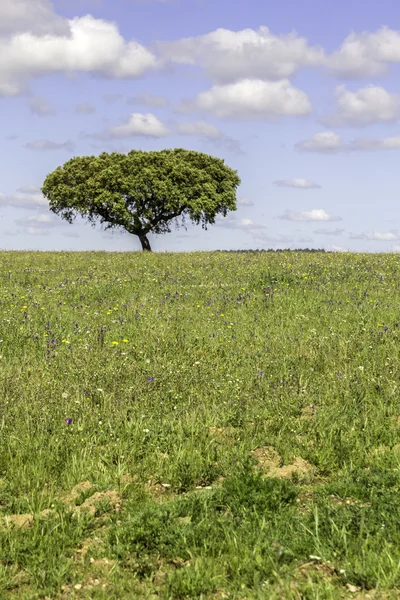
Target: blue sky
x: 302, y: 100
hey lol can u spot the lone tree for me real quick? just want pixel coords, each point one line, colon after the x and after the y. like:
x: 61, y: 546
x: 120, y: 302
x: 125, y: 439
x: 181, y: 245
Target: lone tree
x: 143, y: 191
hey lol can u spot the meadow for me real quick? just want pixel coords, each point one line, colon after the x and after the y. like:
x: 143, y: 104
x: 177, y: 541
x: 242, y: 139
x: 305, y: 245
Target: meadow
x: 201, y: 425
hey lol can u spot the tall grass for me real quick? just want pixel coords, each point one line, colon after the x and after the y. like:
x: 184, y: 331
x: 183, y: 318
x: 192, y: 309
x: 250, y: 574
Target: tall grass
x: 204, y: 425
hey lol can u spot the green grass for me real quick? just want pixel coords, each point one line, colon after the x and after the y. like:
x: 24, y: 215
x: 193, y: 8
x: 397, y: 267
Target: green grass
x: 233, y: 425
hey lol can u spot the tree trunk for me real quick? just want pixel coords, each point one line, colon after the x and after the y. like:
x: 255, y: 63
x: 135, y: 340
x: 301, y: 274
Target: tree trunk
x: 145, y: 242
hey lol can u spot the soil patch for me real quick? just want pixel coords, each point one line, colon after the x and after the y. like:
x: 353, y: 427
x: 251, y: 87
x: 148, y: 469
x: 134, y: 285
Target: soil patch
x: 109, y: 499
x: 269, y: 462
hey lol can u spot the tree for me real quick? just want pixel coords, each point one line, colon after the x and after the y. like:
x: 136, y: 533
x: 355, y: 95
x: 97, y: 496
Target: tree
x: 142, y: 191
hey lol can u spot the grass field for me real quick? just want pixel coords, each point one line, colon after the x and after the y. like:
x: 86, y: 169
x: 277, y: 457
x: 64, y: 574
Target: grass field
x: 203, y: 425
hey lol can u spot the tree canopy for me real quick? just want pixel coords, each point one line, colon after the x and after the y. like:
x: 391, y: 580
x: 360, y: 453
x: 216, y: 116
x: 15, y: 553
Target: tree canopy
x: 141, y: 191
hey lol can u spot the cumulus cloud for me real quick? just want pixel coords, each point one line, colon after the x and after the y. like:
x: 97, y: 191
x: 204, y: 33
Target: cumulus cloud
x: 137, y: 124
x: 91, y: 46
x: 323, y: 231
x: 326, y: 141
x: 329, y: 142
x: 389, y: 236
x: 316, y: 214
x: 45, y: 145
x: 37, y: 16
x: 366, y: 54
x: 40, y: 106
x: 252, y: 98
x: 85, y: 109
x: 36, y: 231
x: 43, y: 221
x: 148, y: 100
x: 233, y: 223
x: 371, y: 104
x: 230, y: 55
x: 28, y: 196
x: 209, y: 133
x: 199, y: 128
x: 300, y: 183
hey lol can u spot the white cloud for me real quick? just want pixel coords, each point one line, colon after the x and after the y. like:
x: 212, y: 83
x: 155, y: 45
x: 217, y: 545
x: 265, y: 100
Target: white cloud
x: 92, y: 46
x: 42, y: 221
x: 232, y: 222
x: 137, y: 124
x: 371, y: 104
x: 44, y: 145
x: 37, y: 16
x: 230, y: 55
x: 28, y: 196
x: 199, y: 128
x: 252, y: 98
x: 29, y: 189
x: 391, y: 143
x: 316, y: 214
x: 148, y: 100
x: 245, y: 202
x: 330, y: 142
x: 40, y: 106
x: 300, y: 183
x: 36, y: 231
x: 366, y: 54
x: 328, y: 231
x: 326, y: 141
x: 389, y: 236
x: 85, y: 109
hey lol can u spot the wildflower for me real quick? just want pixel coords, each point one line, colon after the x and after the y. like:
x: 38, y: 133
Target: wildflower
x: 114, y: 343
x: 150, y: 379
x: 65, y: 395
x: 125, y: 340
x: 68, y: 420
x: 361, y: 368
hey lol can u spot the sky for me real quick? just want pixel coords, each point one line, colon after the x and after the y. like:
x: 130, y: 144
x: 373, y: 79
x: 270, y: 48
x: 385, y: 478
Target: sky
x: 300, y: 97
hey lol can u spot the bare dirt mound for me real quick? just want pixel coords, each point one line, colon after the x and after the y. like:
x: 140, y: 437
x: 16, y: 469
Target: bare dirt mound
x: 269, y: 462
x: 109, y: 500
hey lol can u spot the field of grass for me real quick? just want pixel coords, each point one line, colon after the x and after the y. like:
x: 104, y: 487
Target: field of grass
x: 203, y: 425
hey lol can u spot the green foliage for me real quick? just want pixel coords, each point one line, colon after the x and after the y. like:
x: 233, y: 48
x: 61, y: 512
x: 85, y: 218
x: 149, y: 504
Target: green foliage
x: 143, y: 191
x: 178, y: 375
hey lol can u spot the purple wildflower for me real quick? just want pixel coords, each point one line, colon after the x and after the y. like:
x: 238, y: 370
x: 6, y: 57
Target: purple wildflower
x: 68, y: 420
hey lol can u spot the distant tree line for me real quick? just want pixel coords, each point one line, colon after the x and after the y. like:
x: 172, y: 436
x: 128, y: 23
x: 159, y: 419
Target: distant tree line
x: 278, y: 250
